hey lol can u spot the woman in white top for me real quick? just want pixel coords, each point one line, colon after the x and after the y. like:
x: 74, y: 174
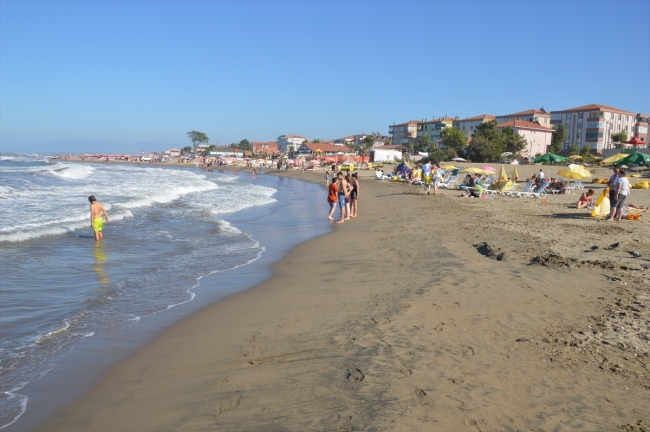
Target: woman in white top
x: 622, y: 192
x: 437, y: 178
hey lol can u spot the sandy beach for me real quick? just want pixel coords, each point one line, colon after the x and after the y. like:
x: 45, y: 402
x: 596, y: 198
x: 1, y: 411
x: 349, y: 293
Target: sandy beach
x: 403, y: 319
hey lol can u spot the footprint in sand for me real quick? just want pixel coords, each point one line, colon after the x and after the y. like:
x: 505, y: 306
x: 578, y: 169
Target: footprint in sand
x: 439, y: 327
x: 422, y: 397
x: 467, y: 351
x: 406, y: 372
x: 223, y: 408
x: 456, y: 402
x: 354, y: 375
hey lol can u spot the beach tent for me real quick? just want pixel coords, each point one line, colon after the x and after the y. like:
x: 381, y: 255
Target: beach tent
x: 403, y: 169
x: 602, y: 205
x: 550, y: 158
x: 635, y: 158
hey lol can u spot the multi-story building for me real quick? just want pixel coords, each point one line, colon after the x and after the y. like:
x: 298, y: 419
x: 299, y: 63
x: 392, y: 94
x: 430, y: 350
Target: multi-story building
x: 433, y: 127
x: 289, y: 143
x: 641, y: 128
x: 539, y: 116
x: 467, y: 125
x: 379, y: 139
x: 264, y: 148
x: 403, y: 133
x: 593, y: 125
x: 348, y: 140
x: 538, y: 137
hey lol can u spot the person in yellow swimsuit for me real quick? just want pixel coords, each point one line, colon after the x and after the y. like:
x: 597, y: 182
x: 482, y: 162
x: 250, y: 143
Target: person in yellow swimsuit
x: 96, y: 221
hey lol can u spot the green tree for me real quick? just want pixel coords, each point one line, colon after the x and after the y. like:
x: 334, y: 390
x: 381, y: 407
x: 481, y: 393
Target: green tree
x: 187, y: 149
x: 366, y: 144
x: 572, y: 150
x: 619, y: 137
x: 442, y: 154
x: 244, y: 145
x: 198, y: 138
x: 422, y: 144
x: 512, y: 141
x: 212, y: 147
x: 487, y: 142
x: 585, y: 152
x: 557, y: 139
x: 317, y: 140
x: 453, y: 139
x: 233, y: 145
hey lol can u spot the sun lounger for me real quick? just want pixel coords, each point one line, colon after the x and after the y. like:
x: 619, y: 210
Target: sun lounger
x: 539, y: 193
x: 448, y: 182
x: 518, y: 194
x: 574, y: 185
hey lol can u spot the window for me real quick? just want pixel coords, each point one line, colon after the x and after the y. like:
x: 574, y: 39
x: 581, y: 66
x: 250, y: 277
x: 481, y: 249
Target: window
x: 580, y: 116
x: 595, y: 125
x: 594, y: 135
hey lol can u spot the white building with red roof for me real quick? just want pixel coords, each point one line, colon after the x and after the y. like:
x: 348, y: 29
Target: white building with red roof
x: 290, y: 143
x: 468, y: 124
x: 540, y: 116
x: 538, y: 137
x: 593, y: 125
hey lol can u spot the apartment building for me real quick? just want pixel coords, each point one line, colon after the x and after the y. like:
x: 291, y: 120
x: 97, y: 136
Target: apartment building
x: 467, y: 125
x: 289, y: 143
x: 403, y: 133
x: 539, y: 116
x: 433, y: 127
x: 593, y: 125
x: 264, y: 148
x: 538, y: 137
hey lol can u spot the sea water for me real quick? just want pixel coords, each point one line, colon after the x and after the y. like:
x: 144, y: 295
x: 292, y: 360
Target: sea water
x: 167, y: 229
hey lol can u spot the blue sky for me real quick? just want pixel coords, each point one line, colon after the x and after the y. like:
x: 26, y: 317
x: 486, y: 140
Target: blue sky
x: 142, y: 71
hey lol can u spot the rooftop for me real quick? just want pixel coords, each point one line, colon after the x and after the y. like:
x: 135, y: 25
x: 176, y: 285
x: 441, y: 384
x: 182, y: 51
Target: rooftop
x: 595, y: 107
x: 520, y: 124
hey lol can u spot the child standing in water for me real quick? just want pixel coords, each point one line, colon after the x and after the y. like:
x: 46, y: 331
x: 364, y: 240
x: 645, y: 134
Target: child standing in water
x: 332, y: 197
x: 96, y: 221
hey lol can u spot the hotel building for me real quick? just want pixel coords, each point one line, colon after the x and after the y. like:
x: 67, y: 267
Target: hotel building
x: 468, y: 125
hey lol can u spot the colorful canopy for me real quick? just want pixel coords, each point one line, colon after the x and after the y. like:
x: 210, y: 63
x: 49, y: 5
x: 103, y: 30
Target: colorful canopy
x: 635, y: 158
x: 634, y: 141
x: 550, y: 158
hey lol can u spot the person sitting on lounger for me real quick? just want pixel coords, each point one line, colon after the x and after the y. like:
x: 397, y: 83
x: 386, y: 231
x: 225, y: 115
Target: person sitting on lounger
x: 585, y: 199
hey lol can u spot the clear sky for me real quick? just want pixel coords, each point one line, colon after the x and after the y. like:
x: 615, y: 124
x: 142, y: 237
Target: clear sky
x: 136, y: 71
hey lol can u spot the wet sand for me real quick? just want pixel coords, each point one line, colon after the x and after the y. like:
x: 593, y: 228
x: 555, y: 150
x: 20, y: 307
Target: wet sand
x: 404, y: 319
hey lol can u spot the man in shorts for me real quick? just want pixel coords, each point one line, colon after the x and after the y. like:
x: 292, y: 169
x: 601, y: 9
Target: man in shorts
x: 96, y: 221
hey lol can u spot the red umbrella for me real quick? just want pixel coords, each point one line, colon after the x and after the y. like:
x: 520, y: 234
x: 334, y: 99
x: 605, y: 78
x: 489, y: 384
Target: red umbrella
x: 634, y: 141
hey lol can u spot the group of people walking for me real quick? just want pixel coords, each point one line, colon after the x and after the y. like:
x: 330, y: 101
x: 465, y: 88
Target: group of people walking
x: 344, y: 191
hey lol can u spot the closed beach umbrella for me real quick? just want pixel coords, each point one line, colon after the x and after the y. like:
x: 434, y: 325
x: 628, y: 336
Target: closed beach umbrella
x: 502, y: 174
x: 515, y: 175
x: 550, y: 158
x: 612, y: 159
x: 635, y: 158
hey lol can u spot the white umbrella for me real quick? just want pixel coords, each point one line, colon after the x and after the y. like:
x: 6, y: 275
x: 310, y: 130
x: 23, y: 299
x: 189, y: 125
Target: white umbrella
x: 504, y: 154
x: 459, y: 159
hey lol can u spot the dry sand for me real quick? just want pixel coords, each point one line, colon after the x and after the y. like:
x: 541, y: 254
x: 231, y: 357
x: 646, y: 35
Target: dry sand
x: 403, y: 319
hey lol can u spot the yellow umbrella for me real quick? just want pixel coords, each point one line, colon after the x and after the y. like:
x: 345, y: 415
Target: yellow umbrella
x: 502, y: 174
x: 584, y: 172
x: 575, y: 157
x: 612, y: 159
x: 515, y: 175
x: 570, y: 174
x: 449, y: 167
x: 472, y: 170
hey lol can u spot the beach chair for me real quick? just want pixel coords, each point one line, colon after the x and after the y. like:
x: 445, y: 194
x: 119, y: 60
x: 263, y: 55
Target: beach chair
x: 574, y: 185
x: 448, y: 182
x: 518, y: 194
x: 556, y: 191
x: 539, y: 193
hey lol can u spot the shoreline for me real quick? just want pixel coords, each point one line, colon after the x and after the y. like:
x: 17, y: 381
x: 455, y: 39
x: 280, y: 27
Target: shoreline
x: 396, y: 319
x: 73, y: 376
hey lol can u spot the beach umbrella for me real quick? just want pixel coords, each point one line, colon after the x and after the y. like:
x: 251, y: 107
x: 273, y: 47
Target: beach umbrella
x: 448, y: 167
x: 634, y: 141
x: 502, y: 174
x: 612, y: 159
x: 515, y: 175
x: 584, y: 172
x: 458, y: 159
x: 506, y: 154
x: 473, y: 170
x: 550, y: 158
x: 488, y: 168
x: 575, y: 157
x: 635, y: 158
x: 571, y: 174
